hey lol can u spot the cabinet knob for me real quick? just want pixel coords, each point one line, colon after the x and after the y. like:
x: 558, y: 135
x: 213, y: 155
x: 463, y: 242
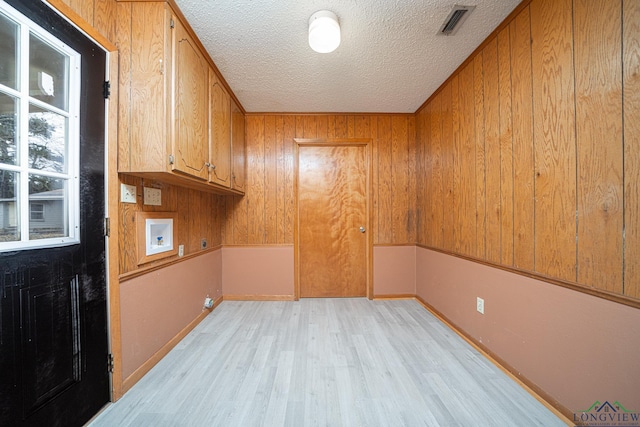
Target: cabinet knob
x: 362, y: 229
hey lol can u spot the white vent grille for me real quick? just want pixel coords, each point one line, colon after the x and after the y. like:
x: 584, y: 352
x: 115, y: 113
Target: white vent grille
x: 455, y: 19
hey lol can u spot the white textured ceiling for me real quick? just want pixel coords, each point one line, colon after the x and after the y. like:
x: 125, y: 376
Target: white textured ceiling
x: 390, y: 58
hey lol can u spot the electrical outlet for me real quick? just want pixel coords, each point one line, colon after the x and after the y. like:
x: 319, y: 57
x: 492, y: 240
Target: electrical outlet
x: 203, y: 244
x: 127, y: 193
x: 180, y: 250
x: 480, y: 305
x: 152, y: 196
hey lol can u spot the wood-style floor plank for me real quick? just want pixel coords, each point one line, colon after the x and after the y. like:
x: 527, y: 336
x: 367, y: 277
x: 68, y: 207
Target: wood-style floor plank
x: 325, y: 362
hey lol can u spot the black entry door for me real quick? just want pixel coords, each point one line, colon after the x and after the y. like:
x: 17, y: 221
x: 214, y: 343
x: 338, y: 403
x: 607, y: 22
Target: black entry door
x: 53, y: 312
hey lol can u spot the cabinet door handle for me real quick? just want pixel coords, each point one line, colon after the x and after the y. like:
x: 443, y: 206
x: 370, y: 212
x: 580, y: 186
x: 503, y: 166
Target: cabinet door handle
x: 362, y: 229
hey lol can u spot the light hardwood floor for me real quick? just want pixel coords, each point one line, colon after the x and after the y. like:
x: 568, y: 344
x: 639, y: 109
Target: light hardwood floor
x: 325, y: 362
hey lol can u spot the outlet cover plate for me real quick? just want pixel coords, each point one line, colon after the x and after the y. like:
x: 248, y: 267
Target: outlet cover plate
x: 152, y: 196
x: 480, y: 305
x: 127, y: 193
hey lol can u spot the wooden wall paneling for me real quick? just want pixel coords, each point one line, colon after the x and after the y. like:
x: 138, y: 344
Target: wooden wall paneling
x: 436, y: 172
x: 342, y: 130
x: 299, y: 127
x: 523, y: 166
x: 362, y: 127
x: 598, y: 74
x: 289, y: 201
x: 310, y: 127
x: 195, y: 212
x: 481, y: 189
x: 554, y: 138
x: 83, y: 8
x: 426, y: 177
x: 447, y: 165
x: 492, y: 151
x: 123, y: 42
x: 200, y: 215
x: 351, y: 126
x: 631, y: 95
x: 184, y: 233
x: 227, y: 215
x: 216, y: 218
x: 221, y: 213
x: 210, y: 220
x: 280, y: 181
x: 255, y: 189
x: 270, y: 181
x: 331, y: 126
x: 104, y: 18
x: 127, y: 232
x: 419, y: 184
x: 322, y: 122
x: 240, y: 219
x: 506, y: 148
x: 399, y: 162
x: 467, y: 195
x: 453, y: 218
x: 375, y: 177
x: 412, y: 153
x: 385, y: 189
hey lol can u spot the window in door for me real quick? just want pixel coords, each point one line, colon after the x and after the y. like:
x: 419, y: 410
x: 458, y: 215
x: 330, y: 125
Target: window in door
x: 39, y: 136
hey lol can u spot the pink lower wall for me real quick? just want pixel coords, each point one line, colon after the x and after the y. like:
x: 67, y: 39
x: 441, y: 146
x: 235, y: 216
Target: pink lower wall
x: 576, y: 347
x: 262, y: 271
x: 394, y: 270
x: 155, y: 307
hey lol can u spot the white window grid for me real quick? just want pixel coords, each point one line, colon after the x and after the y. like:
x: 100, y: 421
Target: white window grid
x: 72, y: 155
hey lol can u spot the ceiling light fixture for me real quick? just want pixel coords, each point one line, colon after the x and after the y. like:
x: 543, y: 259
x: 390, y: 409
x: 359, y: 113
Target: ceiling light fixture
x: 324, y: 31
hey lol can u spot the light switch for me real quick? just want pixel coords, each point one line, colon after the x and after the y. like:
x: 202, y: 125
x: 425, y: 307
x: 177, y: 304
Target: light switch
x: 152, y: 196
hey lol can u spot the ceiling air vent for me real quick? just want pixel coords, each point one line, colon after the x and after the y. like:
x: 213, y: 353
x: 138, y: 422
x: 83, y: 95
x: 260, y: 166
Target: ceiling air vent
x: 455, y: 19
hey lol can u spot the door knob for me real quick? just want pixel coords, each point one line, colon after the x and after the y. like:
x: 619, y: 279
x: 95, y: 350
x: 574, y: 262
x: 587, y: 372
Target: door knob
x: 362, y: 229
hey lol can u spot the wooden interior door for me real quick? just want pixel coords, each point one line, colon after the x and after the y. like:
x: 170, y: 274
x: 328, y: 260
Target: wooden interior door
x: 332, y: 208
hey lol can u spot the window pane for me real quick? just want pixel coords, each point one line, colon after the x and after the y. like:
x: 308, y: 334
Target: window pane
x: 8, y: 130
x: 9, y: 215
x: 8, y: 43
x: 48, y: 73
x: 47, y: 140
x: 51, y: 194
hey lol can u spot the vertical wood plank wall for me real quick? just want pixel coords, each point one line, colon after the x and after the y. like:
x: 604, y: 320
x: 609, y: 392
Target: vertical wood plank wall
x: 264, y: 216
x: 527, y: 157
x: 101, y: 14
x: 200, y: 215
x: 545, y: 177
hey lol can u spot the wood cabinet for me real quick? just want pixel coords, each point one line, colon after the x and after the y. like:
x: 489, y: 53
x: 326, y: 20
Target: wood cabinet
x: 190, y: 147
x: 238, y: 148
x: 174, y: 111
x: 220, y: 133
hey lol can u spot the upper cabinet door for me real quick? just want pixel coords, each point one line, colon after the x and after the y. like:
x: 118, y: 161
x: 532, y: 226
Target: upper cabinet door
x: 190, y: 136
x: 239, y: 147
x: 220, y: 138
